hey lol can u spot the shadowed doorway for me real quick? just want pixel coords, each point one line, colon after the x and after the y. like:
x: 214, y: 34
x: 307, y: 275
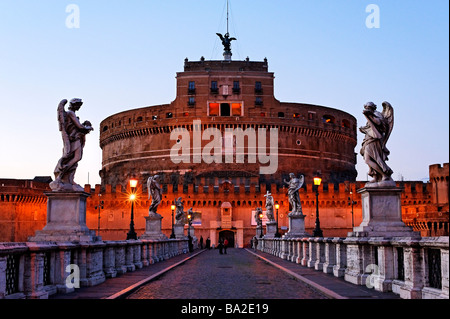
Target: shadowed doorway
x: 229, y: 235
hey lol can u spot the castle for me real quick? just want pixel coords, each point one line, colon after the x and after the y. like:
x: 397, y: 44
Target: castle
x: 221, y: 145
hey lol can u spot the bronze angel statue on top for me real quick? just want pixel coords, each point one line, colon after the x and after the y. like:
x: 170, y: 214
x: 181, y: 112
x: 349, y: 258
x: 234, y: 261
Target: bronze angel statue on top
x: 74, y: 137
x: 226, y: 41
x: 154, y: 191
x: 377, y: 132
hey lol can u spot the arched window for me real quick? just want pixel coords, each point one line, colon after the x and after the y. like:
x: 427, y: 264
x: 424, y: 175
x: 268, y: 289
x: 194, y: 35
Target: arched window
x: 105, y: 128
x: 345, y: 123
x: 328, y: 119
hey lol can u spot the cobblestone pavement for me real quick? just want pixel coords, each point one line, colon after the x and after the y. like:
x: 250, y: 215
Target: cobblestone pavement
x: 236, y: 275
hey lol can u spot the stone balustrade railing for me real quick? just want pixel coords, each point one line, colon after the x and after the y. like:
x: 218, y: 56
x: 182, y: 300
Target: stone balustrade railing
x: 411, y: 268
x: 36, y: 270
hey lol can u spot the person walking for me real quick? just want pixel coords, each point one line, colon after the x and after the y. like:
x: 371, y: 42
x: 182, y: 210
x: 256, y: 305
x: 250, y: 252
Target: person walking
x: 208, y: 243
x: 201, y: 242
x: 225, y: 245
x: 220, y: 246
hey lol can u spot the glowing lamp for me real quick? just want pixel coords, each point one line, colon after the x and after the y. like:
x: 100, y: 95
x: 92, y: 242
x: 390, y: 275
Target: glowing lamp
x: 172, y: 207
x: 277, y: 206
x: 133, y: 183
x: 317, y: 181
x: 132, y: 196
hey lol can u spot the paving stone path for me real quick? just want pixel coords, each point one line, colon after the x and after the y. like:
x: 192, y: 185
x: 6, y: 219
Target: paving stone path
x: 236, y: 275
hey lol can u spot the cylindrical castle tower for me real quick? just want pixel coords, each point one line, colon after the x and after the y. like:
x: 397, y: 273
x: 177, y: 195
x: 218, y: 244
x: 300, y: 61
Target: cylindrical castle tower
x: 224, y: 112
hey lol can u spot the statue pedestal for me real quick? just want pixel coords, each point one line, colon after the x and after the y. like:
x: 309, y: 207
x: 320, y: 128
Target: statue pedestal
x: 259, y: 232
x: 382, y: 214
x: 296, y: 226
x: 66, y: 219
x: 271, y: 229
x: 179, y: 231
x: 153, y: 228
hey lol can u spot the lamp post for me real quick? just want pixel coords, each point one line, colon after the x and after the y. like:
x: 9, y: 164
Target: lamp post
x: 132, y: 234
x: 99, y: 207
x: 189, y: 217
x: 261, y: 219
x: 277, y: 234
x: 173, y: 231
x: 352, y: 202
x: 317, y: 231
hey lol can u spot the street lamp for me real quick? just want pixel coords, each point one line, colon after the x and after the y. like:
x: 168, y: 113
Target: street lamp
x: 99, y: 207
x: 261, y: 219
x: 173, y: 231
x: 189, y: 217
x: 132, y: 234
x: 317, y: 231
x: 352, y: 202
x: 277, y: 234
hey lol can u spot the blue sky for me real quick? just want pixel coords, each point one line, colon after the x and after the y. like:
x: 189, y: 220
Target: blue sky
x: 125, y: 54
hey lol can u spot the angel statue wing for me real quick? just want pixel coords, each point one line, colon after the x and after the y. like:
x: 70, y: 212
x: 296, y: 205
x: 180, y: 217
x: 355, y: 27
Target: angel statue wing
x: 62, y: 126
x: 388, y: 114
x: 301, y: 179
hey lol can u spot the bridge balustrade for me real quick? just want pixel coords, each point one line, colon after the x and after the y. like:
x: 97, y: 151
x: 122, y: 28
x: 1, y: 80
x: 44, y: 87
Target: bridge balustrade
x: 411, y: 268
x: 36, y: 270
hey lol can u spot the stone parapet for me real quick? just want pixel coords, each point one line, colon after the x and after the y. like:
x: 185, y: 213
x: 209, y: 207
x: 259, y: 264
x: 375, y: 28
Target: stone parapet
x: 413, y: 268
x: 35, y: 270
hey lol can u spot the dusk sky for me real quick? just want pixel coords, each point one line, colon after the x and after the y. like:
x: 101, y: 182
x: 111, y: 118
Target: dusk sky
x: 125, y: 54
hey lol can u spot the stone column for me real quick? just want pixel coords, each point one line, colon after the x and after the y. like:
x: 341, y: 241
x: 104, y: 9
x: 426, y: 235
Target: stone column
x: 330, y: 256
x: 384, y: 274
x: 341, y: 257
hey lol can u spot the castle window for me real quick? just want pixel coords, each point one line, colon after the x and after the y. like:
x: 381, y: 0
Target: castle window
x: 345, y: 123
x: 191, y: 101
x: 214, y: 87
x: 169, y: 115
x: 154, y: 117
x: 280, y: 114
x: 311, y: 116
x: 236, y: 109
x: 139, y: 119
x: 328, y: 119
x: 236, y: 87
x: 214, y: 109
x: 296, y: 115
x: 258, y: 88
x: 258, y: 101
x: 191, y: 88
x: 225, y: 109
x: 105, y: 128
